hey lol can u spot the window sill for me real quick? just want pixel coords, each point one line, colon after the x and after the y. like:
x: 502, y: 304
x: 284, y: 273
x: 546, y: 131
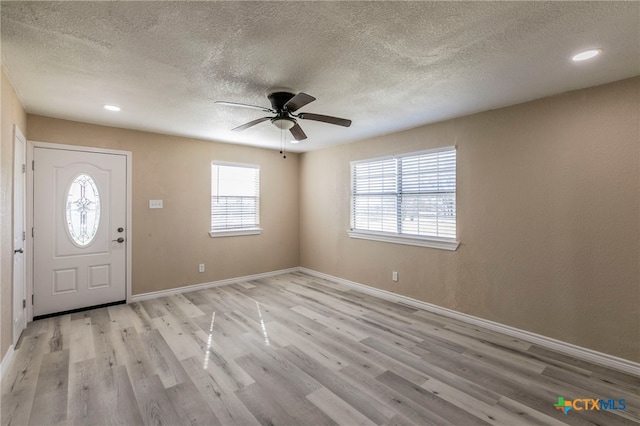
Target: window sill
x: 235, y: 232
x: 431, y: 242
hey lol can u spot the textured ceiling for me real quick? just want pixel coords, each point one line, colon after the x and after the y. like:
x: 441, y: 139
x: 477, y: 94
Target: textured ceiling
x: 385, y: 65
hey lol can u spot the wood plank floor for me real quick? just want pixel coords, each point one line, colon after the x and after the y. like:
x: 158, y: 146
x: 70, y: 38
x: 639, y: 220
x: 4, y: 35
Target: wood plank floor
x: 293, y: 350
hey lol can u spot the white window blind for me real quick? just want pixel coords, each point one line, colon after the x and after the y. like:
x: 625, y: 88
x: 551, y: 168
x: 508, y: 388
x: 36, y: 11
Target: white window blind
x: 375, y: 193
x: 412, y: 195
x: 235, y: 197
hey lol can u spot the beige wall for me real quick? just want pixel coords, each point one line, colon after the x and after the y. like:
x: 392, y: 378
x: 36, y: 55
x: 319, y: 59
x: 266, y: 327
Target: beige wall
x: 12, y: 113
x: 548, y: 218
x: 168, y: 244
x: 548, y: 214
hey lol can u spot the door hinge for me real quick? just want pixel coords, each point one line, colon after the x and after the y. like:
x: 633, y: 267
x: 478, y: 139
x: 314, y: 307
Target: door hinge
x: 32, y: 232
x: 24, y: 303
x: 33, y: 164
x: 24, y: 236
x: 24, y: 168
x: 32, y: 299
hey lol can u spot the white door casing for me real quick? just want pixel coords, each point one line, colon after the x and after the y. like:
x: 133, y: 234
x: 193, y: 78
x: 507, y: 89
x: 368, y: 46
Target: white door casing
x: 90, y: 270
x: 19, y: 235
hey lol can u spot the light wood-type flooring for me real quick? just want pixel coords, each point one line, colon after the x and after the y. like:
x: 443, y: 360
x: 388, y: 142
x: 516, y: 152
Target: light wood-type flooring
x: 293, y: 350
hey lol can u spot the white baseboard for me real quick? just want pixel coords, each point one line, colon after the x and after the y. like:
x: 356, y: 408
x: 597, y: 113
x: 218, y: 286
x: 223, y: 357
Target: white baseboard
x: 565, y: 348
x: 6, y: 362
x: 194, y: 287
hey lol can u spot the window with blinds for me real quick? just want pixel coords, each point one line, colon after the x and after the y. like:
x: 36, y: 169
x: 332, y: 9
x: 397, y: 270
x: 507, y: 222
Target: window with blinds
x: 235, y: 199
x: 412, y: 195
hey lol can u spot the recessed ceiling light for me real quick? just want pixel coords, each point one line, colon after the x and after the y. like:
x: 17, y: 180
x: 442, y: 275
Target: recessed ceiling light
x: 587, y: 54
x: 112, y: 108
x: 294, y: 141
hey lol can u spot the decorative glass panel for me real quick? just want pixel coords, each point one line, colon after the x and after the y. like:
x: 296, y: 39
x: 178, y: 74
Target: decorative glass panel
x: 83, y: 210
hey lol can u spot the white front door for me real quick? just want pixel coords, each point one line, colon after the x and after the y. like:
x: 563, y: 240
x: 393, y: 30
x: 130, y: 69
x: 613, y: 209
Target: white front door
x: 79, y: 218
x: 19, y: 236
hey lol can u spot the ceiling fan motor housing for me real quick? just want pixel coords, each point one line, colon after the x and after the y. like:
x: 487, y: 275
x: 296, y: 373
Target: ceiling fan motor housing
x: 279, y: 99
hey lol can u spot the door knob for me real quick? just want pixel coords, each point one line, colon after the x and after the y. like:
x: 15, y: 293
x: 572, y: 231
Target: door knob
x: 18, y: 251
x: 119, y: 240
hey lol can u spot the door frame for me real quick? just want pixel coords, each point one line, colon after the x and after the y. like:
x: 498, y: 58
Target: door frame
x: 18, y: 138
x: 31, y: 146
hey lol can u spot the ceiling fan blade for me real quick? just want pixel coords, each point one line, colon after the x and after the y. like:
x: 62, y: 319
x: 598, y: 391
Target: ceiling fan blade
x: 325, y: 119
x: 297, y: 132
x: 234, y: 104
x: 251, y: 123
x: 298, y: 101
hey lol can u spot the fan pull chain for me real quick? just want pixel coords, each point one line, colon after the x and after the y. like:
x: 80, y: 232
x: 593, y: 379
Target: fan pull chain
x: 283, y: 143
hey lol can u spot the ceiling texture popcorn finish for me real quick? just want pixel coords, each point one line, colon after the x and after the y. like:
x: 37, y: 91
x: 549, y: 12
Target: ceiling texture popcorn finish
x: 387, y: 66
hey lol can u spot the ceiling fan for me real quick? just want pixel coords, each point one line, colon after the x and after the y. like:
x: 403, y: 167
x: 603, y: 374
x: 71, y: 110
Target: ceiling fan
x: 283, y: 105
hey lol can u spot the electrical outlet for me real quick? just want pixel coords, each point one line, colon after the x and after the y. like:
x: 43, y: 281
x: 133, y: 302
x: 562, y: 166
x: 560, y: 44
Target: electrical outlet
x: 201, y: 267
x: 394, y: 276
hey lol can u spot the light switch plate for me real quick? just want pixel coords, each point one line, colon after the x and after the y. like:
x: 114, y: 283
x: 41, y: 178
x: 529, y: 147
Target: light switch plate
x: 155, y: 204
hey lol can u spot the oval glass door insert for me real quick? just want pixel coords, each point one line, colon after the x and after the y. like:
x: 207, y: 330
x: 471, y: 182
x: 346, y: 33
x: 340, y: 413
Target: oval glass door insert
x: 83, y: 210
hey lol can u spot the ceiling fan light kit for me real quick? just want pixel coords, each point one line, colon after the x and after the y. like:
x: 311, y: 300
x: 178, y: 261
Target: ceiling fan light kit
x: 284, y: 105
x: 283, y: 123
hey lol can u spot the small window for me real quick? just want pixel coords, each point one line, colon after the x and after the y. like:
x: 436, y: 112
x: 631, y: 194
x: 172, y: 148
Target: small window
x: 83, y: 210
x: 235, y: 200
x: 407, y: 199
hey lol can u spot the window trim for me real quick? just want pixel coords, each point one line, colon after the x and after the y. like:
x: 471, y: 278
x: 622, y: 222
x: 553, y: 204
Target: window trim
x: 450, y: 244
x: 254, y: 230
x: 410, y: 240
x: 235, y: 233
